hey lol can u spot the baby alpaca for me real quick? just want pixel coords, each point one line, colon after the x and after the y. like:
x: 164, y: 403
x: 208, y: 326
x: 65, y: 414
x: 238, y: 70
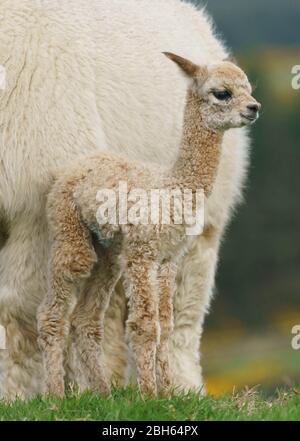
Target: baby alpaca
x: 89, y: 258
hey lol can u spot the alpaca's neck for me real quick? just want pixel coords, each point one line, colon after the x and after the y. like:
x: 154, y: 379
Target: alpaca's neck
x: 200, y: 149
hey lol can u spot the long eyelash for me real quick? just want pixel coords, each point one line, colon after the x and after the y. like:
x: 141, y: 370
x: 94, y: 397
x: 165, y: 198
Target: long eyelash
x: 218, y: 94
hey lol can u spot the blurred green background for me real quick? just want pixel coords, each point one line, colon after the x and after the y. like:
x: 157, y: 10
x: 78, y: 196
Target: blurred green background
x: 247, y: 338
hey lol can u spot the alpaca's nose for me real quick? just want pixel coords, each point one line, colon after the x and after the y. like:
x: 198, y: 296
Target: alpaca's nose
x: 252, y: 111
x: 254, y: 107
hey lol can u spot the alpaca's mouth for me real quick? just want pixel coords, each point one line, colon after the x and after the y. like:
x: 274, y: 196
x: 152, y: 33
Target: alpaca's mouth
x: 250, y: 118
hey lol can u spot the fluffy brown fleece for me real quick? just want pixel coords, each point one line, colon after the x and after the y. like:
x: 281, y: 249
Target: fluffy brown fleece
x: 145, y: 255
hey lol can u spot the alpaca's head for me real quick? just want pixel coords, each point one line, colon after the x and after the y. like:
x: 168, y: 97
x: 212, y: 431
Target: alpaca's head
x: 224, y: 92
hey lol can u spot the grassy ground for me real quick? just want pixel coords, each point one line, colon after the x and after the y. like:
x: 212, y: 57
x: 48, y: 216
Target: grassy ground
x: 126, y: 405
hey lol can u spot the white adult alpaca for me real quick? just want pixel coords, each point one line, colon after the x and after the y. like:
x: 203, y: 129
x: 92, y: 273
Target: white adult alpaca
x: 83, y: 76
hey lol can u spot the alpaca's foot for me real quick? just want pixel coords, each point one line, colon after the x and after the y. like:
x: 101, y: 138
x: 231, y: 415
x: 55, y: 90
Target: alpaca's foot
x: 163, y: 371
x: 53, y: 352
x: 148, y: 388
x: 56, y: 388
x: 90, y: 356
x: 146, y: 369
x: 102, y: 387
x: 96, y: 377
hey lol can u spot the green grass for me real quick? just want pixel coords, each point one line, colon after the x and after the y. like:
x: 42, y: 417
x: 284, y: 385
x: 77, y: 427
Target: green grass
x: 127, y: 405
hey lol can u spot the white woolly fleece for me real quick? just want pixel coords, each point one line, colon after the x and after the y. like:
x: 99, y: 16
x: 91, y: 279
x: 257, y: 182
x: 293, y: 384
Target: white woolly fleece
x: 86, y: 75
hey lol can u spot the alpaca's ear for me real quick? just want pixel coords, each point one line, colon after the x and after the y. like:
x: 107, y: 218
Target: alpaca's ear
x: 189, y: 68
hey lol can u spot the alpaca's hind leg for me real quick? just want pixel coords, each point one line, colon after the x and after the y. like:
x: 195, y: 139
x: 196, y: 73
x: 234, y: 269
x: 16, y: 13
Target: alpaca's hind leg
x: 53, y: 329
x: 72, y: 260
x: 142, y: 323
x: 166, y: 279
x: 88, y: 320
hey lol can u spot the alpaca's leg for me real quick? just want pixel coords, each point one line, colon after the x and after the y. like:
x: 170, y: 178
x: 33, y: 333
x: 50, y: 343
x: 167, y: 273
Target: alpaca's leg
x: 53, y: 319
x: 53, y: 330
x: 166, y: 279
x: 191, y: 303
x: 143, y: 321
x: 88, y: 319
x: 21, y: 373
x: 23, y: 259
x: 72, y: 260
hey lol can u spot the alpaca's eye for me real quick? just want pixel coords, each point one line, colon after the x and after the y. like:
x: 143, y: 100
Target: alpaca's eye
x: 222, y: 95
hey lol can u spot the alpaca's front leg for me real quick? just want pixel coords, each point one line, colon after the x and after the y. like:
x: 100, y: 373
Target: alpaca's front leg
x: 142, y: 323
x: 166, y: 278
